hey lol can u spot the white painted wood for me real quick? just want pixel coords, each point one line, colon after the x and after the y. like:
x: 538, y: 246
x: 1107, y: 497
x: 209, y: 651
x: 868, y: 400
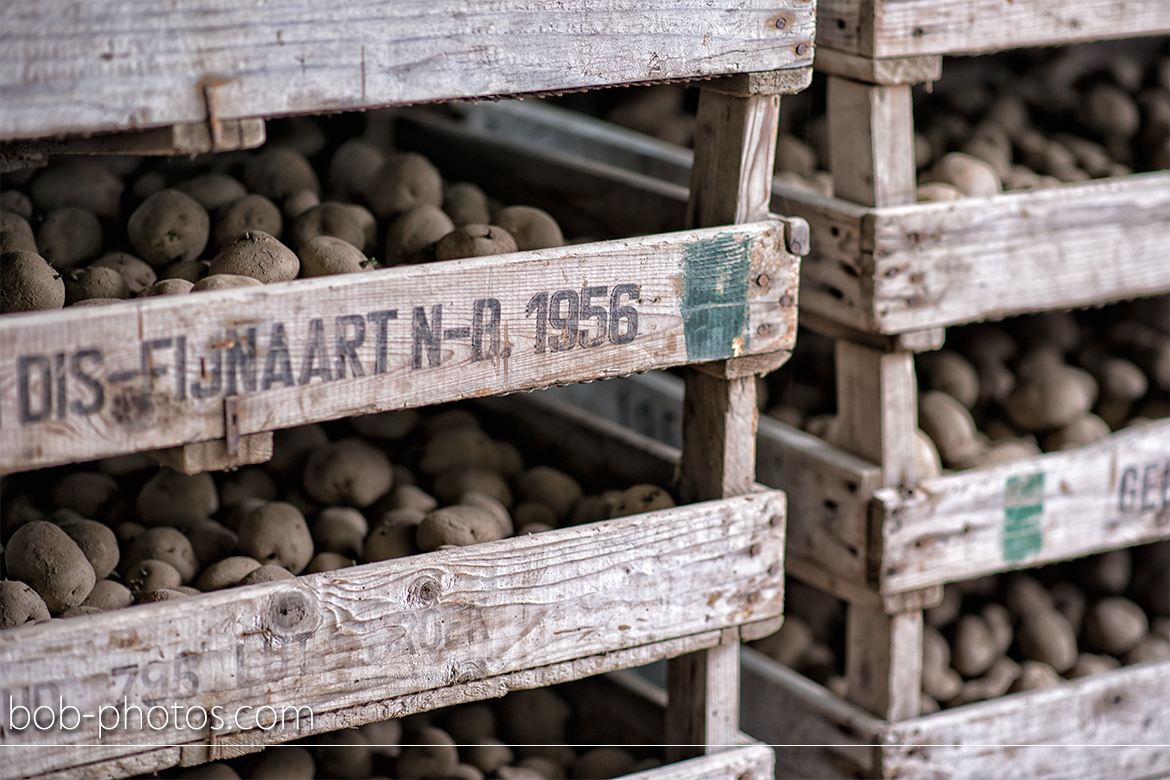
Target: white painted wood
x: 416, y: 364
x: 905, y: 28
x: 1112, y: 493
x: 121, y: 64
x: 366, y: 634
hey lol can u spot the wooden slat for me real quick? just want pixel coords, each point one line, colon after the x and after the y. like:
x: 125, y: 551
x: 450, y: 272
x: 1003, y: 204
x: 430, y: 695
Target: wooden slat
x: 406, y: 626
x: 885, y: 70
x: 1080, y: 244
x: 107, y: 64
x: 1109, y: 726
x: 906, y: 28
x: 871, y: 142
x: 111, y: 405
x: 196, y: 138
x: 747, y: 762
x: 1112, y: 493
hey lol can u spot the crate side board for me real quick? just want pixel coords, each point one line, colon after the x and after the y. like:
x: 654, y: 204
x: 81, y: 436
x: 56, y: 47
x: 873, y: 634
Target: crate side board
x: 86, y: 383
x: 374, y: 632
x: 1060, y: 505
x: 143, y: 63
x: 906, y: 28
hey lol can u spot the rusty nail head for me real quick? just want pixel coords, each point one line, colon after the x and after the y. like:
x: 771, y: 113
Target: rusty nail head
x: 801, y: 49
x: 762, y: 280
x: 764, y: 329
x: 755, y: 550
x: 781, y: 23
x: 785, y: 300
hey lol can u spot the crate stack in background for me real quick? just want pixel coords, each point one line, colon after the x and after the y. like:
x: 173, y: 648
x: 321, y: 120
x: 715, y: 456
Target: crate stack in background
x: 183, y: 377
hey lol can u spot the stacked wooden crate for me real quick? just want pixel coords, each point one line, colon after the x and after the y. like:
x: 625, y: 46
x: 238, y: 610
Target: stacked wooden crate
x: 97, y: 382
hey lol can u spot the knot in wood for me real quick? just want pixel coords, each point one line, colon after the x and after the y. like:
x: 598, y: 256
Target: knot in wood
x: 423, y: 592
x: 291, y: 612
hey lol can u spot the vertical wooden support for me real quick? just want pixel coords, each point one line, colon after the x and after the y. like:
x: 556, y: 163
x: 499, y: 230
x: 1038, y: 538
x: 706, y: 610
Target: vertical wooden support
x: 871, y: 142
x: 878, y: 415
x: 735, y: 143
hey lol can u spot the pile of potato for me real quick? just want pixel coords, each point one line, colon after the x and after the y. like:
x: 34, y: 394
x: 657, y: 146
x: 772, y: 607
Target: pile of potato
x: 95, y: 230
x: 522, y: 736
x: 121, y: 531
x: 1007, y: 633
x: 1010, y: 390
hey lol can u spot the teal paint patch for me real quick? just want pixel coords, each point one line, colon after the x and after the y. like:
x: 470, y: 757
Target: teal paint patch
x: 714, y: 302
x: 1023, y: 508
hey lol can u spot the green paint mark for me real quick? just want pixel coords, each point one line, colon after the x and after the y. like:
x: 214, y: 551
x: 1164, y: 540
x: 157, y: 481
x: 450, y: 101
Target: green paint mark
x: 1023, y: 506
x: 714, y: 304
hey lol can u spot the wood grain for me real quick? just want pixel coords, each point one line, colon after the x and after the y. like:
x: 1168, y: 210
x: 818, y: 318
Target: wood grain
x: 883, y: 661
x: 877, y: 402
x: 408, y: 626
x: 871, y: 142
x: 1109, y: 494
x: 120, y: 363
x: 109, y: 65
x: 906, y: 28
x: 884, y: 70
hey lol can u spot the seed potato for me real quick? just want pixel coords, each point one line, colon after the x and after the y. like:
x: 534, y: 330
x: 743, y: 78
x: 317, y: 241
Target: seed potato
x: 29, y: 283
x: 69, y: 236
x: 326, y: 256
x: 137, y: 274
x: 403, y: 182
x: 169, y: 225
x: 474, y: 241
x: 245, y: 214
x: 349, y: 472
x: 163, y: 544
x: 175, y: 499
x: 531, y: 228
x: 20, y: 605
x: 167, y: 287
x: 97, y: 542
x: 259, y: 255
x: 43, y: 556
x: 276, y: 533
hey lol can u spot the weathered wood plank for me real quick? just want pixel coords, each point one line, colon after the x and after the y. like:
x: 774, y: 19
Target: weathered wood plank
x: 871, y: 142
x: 325, y: 348
x: 877, y: 403
x: 408, y: 626
x: 1112, y: 493
x: 1108, y: 726
x: 175, y: 140
x: 122, y: 64
x: 885, y: 70
x: 883, y: 660
x: 1075, y: 245
x: 907, y: 28
x: 747, y: 762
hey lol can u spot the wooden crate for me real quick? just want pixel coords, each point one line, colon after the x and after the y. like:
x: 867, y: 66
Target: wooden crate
x: 848, y: 535
x: 107, y: 64
x: 407, y: 635
x: 894, y: 269
x: 1109, y: 726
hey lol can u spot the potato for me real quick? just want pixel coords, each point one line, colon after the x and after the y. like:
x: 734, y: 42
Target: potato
x: 348, y: 472
x: 175, y: 499
x: 403, y: 182
x: 1110, y: 112
x: 326, y: 256
x: 78, y: 182
x: 226, y: 573
x: 244, y: 215
x: 327, y: 561
x: 927, y: 463
x: 1034, y: 676
x: 163, y: 544
x: 166, y: 594
x: 298, y: 203
x: 1081, y: 431
x: 69, y: 236
x: 969, y: 175
x: 413, y: 234
x: 93, y: 283
x: 167, y: 287
x: 493, y: 507
x: 346, y: 221
x: 1088, y: 663
x: 973, y: 647
x: 474, y: 241
x: 339, y: 529
x: 108, y: 595
x: 168, y: 226
x: 259, y: 255
x: 43, y: 556
x: 551, y: 487
x: 949, y: 425
x: 85, y: 492
x: 939, y: 680
x: 1050, y: 398
x: 642, y: 498
x: 1114, y: 625
x: 29, y: 283
x: 291, y: 446
x: 150, y: 575
x: 343, y: 754
x: 470, y: 722
x: 225, y: 282
x: 1047, y: 636
x: 284, y: 762
x: 1024, y: 595
x: 20, y: 605
x: 951, y: 373
x: 16, y: 235
x: 352, y: 167
x: 456, y: 447
x: 137, y: 274
x: 267, y: 573
x: 276, y: 533
x: 211, y: 541
x: 603, y: 762
x: 1108, y: 573
x: 532, y: 228
x: 278, y: 171
x: 407, y: 497
x: 937, y: 192
x: 213, y: 191
x: 487, y: 754
x: 534, y: 513
x: 466, y: 204
x: 388, y: 426
x: 16, y: 202
x: 433, y: 755
x: 1151, y: 648
x: 450, y: 485
x: 999, y: 620
x: 97, y: 542
x: 458, y: 525
x: 534, y: 717
x: 996, y: 682
x: 393, y: 538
